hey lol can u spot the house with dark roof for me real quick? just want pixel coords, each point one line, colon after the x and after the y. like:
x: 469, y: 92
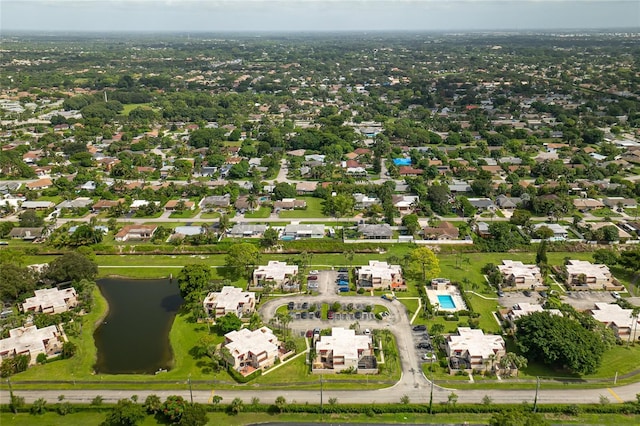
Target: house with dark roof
x: 376, y: 231
x: 443, y: 231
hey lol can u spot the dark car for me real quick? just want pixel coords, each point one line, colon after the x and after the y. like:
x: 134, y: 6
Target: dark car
x: 317, y: 314
x: 330, y: 315
x: 305, y: 305
x: 500, y: 293
x: 527, y: 293
x: 309, y: 333
x: 304, y: 315
x: 291, y: 305
x: 543, y: 294
x: 423, y: 346
x: 312, y: 277
x: 343, y: 270
x: 358, y: 314
x: 343, y: 276
x: 419, y: 328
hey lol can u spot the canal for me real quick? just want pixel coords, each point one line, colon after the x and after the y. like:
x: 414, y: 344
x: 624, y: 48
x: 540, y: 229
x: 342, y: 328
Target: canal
x: 134, y: 336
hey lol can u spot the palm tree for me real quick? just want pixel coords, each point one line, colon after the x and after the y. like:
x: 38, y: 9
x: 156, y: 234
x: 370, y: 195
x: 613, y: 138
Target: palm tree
x: 252, y: 201
x: 635, y: 312
x: 223, y: 223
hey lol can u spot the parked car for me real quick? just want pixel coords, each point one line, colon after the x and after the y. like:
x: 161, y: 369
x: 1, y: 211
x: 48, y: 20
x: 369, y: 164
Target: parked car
x: 423, y: 345
x: 309, y: 333
x: 343, y: 289
x: 317, y: 314
x: 330, y: 315
x: 358, y: 314
x: 343, y: 270
x: 291, y: 306
x: 305, y: 305
x: 304, y: 315
x: 313, y: 272
x: 367, y: 332
x: 342, y: 282
x: 419, y: 328
x: 312, y: 277
x: 527, y: 293
x: 500, y: 293
x: 615, y: 294
x: 543, y: 294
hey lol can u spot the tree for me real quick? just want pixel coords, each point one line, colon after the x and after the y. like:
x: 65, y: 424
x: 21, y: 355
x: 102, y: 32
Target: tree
x: 520, y: 217
x: 72, y: 266
x: 541, y: 255
x: 635, y: 313
x: 269, y: 238
x: 610, y: 233
x: 243, y: 257
x: 69, y: 349
x: 193, y: 280
x: 605, y: 257
x: 404, y: 399
x: 194, y: 415
x: 410, y: 222
x: 223, y: 223
x: 236, y: 406
x: 438, y: 197
x: 39, y: 406
x: 173, y: 408
x: 29, y: 219
x: 85, y: 235
x: 16, y: 280
x: 517, y: 418
x: 280, y: 403
x: 560, y: 341
x: 452, y: 398
x: 630, y: 259
x: 228, y: 322
x: 126, y: 413
x: 423, y: 264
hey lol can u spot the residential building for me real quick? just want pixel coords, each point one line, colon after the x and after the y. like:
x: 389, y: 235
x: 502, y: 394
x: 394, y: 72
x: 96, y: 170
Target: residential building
x: 136, y: 232
x: 443, y: 231
x: 27, y: 234
x: 39, y: 184
x: 375, y: 231
x: 246, y: 230
x: 344, y: 350
x: 173, y: 204
x: 405, y: 203
x: 523, y: 309
x: 78, y: 203
x: 51, y: 301
x: 618, y: 319
x: 507, y: 203
x: 380, y: 276
x: 296, y: 231
x: 106, y: 204
x: 306, y: 188
x: 213, y: 202
x: 32, y: 341
x: 363, y: 201
x: 522, y: 277
x: 37, y: 205
x: 482, y: 229
x: 560, y: 233
x: 482, y: 204
x: 474, y: 350
x: 616, y: 202
x: 289, y: 204
x: 229, y: 300
x: 251, y: 350
x: 586, y: 204
x: 582, y: 274
x: 279, y: 272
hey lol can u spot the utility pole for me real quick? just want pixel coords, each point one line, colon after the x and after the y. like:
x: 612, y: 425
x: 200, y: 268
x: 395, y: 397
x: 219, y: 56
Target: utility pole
x: 535, y: 400
x: 321, y: 406
x: 190, y: 389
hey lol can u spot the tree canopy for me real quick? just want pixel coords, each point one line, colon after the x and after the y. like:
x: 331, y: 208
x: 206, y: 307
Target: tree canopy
x: 193, y: 279
x: 423, y: 264
x: 242, y: 257
x: 72, y: 266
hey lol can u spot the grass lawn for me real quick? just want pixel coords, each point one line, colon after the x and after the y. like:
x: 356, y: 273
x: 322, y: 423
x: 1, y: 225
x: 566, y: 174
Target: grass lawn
x: 57, y: 199
x: 313, y: 210
x: 261, y: 213
x: 130, y: 107
x: 185, y: 214
x: 210, y: 215
x: 410, y: 304
x: 94, y: 418
x: 604, y: 212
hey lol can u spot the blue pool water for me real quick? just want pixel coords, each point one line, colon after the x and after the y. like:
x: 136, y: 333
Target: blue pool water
x: 446, y: 301
x: 402, y: 161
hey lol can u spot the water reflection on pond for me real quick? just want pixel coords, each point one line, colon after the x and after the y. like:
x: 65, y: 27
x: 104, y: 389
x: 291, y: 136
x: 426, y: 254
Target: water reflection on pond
x: 134, y: 336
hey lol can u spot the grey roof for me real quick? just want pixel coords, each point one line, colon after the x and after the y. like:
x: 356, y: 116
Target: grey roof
x: 247, y: 229
x: 75, y: 204
x: 26, y: 233
x: 372, y: 230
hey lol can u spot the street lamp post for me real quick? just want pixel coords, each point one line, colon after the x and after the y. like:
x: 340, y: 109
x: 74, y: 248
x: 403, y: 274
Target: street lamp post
x: 535, y: 400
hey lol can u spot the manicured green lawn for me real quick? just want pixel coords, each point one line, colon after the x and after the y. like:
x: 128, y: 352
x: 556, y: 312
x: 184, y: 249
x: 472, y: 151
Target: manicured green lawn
x: 313, y: 210
x: 604, y: 212
x: 130, y: 107
x: 262, y: 213
x: 210, y: 215
x: 185, y: 214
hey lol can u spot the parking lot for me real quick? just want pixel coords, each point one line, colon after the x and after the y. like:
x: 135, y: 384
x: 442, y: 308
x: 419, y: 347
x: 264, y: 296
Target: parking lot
x: 580, y: 300
x: 422, y: 343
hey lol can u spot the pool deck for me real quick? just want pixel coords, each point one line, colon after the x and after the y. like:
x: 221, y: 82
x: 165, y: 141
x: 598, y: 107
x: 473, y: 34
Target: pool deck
x: 450, y: 291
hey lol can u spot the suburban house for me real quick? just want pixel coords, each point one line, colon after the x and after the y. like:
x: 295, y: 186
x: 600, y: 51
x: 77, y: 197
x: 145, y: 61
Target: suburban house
x: 213, y: 202
x: 405, y: 203
x: 375, y: 231
x: 280, y: 273
x: 471, y: 349
x: 586, y: 204
x: 51, y: 301
x: 560, y: 232
x: 306, y: 188
x: 246, y: 230
x: 27, y: 234
x: 363, y: 201
x: 106, y: 204
x: 37, y: 205
x: 482, y: 229
x: 136, y: 232
x: 173, y: 204
x: 39, y: 184
x: 296, y: 231
x: 617, y: 202
x: 380, y: 276
x: 289, y: 204
x: 251, y: 350
x: 32, y: 341
x: 618, y: 319
x: 507, y: 203
x: 443, y: 231
x: 345, y: 350
x: 582, y: 274
x: 482, y: 204
x: 78, y: 203
x: 522, y: 277
x: 229, y: 300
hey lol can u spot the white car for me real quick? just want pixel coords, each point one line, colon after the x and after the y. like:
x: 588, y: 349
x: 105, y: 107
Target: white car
x: 313, y: 272
x: 367, y: 332
x: 615, y: 294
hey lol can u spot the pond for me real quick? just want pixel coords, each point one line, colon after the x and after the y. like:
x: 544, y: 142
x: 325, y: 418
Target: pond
x: 134, y: 336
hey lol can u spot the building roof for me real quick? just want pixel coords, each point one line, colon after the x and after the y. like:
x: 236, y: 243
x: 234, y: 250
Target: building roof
x: 28, y: 339
x: 276, y: 271
x: 229, y: 298
x: 380, y: 269
x: 247, y: 229
x: 50, y: 297
x: 255, y: 342
x: 344, y: 343
x: 475, y: 342
x: 519, y: 269
x: 375, y: 230
x: 19, y: 232
x: 304, y: 229
x: 577, y: 267
x: 37, y: 204
x: 613, y: 314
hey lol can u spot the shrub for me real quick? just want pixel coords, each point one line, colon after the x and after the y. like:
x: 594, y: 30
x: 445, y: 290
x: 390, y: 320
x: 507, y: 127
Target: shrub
x: 38, y: 406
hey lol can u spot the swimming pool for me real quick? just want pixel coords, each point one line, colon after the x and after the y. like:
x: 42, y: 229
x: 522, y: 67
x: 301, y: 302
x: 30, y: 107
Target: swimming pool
x: 402, y: 161
x: 446, y: 301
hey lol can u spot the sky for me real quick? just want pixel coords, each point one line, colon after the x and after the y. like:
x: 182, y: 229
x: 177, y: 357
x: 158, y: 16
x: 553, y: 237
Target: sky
x: 314, y: 15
